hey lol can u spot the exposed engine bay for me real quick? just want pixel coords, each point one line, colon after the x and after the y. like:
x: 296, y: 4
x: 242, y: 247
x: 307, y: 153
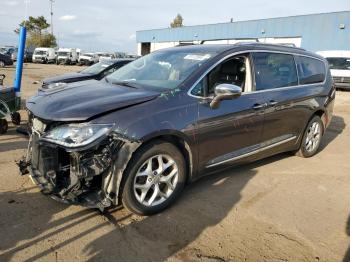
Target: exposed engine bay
x: 89, y: 176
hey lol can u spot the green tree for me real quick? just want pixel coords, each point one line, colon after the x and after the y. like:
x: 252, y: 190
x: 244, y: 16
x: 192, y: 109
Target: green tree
x: 177, y: 22
x: 38, y: 35
x: 43, y: 40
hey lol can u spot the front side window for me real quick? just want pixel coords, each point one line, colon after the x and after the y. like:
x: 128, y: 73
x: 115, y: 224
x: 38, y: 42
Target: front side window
x: 311, y: 70
x: 232, y: 71
x: 273, y: 70
x: 161, y: 70
x: 339, y: 63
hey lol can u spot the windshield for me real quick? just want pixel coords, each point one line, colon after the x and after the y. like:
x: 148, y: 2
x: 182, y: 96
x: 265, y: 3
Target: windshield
x: 162, y: 69
x: 89, y: 55
x: 95, y: 69
x: 63, y: 53
x: 342, y: 63
x: 40, y: 52
x: 7, y: 50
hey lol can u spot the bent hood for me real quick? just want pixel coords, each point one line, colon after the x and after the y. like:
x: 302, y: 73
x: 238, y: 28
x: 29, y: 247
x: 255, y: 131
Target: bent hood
x: 83, y: 100
x: 67, y: 78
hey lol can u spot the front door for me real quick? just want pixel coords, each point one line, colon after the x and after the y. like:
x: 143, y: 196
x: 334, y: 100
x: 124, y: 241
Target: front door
x: 230, y: 133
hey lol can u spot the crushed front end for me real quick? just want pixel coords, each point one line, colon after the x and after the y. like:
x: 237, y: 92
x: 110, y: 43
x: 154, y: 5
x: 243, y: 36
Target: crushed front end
x: 89, y: 175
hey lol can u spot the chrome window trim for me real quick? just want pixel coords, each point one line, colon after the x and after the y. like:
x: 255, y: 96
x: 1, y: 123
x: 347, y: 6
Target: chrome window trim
x: 261, y: 51
x: 253, y: 152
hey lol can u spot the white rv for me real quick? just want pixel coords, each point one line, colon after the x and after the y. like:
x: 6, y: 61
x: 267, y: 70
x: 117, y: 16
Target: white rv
x: 44, y: 55
x: 339, y: 63
x: 67, y: 56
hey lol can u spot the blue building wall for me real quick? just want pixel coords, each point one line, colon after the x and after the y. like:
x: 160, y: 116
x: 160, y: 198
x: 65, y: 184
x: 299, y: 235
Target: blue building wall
x: 318, y: 31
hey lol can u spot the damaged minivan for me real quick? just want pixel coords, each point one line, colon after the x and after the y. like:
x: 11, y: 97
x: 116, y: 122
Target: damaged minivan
x: 139, y: 135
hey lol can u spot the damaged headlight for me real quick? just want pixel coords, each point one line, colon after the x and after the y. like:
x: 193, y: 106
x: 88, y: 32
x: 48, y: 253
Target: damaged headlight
x: 76, y: 135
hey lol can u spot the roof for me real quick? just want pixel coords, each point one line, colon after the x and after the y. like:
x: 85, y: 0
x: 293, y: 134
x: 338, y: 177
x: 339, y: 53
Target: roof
x: 240, y: 47
x: 311, y: 28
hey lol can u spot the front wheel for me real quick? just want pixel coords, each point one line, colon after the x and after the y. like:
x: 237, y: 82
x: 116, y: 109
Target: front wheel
x: 16, y: 118
x: 311, y: 138
x: 155, y: 177
x: 3, y: 126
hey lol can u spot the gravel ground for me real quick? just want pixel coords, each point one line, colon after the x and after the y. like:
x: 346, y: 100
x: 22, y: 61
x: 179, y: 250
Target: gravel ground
x: 283, y: 208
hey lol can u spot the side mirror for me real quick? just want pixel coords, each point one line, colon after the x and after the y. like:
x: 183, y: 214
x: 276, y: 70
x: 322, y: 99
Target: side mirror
x: 225, y: 92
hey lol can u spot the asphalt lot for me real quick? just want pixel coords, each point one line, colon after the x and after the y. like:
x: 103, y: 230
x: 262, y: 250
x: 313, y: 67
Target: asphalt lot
x: 283, y: 208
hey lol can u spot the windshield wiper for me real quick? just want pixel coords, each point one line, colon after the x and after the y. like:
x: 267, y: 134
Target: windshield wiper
x: 124, y: 83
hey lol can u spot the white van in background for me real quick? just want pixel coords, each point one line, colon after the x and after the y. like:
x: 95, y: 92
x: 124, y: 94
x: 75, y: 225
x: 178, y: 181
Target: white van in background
x: 44, y: 55
x: 67, y: 56
x: 339, y: 63
x: 104, y: 56
x: 88, y: 58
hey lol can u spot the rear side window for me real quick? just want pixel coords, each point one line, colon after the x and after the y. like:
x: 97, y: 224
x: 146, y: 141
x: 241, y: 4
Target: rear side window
x: 274, y: 70
x: 311, y: 70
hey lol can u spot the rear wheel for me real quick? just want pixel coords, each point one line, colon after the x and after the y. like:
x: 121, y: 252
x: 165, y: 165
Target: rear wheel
x: 154, y: 179
x: 2, y: 64
x: 312, y: 138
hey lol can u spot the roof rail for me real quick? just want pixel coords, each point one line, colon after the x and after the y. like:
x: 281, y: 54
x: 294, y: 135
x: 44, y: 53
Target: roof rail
x: 269, y: 44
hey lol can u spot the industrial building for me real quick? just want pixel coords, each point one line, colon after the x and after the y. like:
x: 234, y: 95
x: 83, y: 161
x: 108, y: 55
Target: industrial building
x: 314, y: 32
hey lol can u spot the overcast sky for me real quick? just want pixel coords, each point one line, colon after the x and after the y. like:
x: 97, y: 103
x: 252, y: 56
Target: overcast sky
x: 111, y: 25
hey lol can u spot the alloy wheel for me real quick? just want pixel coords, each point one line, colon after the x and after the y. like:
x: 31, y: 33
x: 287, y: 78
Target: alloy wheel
x: 313, y: 137
x: 155, y: 180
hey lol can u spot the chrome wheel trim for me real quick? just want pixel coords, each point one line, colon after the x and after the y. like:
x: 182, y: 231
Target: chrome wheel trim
x: 156, y: 180
x: 313, y: 137
x: 2, y: 64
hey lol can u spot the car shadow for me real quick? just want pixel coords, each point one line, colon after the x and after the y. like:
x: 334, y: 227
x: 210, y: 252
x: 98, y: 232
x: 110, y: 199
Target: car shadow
x: 13, y: 140
x: 27, y: 215
x: 203, y: 204
x: 347, y: 230
x: 334, y: 129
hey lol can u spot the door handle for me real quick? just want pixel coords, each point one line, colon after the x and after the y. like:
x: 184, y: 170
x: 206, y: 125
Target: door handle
x: 259, y: 106
x: 273, y: 103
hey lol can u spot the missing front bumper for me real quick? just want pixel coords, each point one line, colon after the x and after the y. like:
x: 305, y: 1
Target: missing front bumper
x: 73, y: 177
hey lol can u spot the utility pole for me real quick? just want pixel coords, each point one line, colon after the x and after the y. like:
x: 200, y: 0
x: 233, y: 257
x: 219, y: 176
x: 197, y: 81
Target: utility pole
x: 51, y: 13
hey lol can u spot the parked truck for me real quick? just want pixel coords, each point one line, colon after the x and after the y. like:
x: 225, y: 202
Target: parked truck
x: 44, y: 55
x: 67, y: 56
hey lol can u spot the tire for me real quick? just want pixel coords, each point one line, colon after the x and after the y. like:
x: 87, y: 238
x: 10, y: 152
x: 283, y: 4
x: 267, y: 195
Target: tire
x: 3, y: 126
x: 144, y: 171
x: 16, y: 118
x: 2, y: 64
x: 312, y: 138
